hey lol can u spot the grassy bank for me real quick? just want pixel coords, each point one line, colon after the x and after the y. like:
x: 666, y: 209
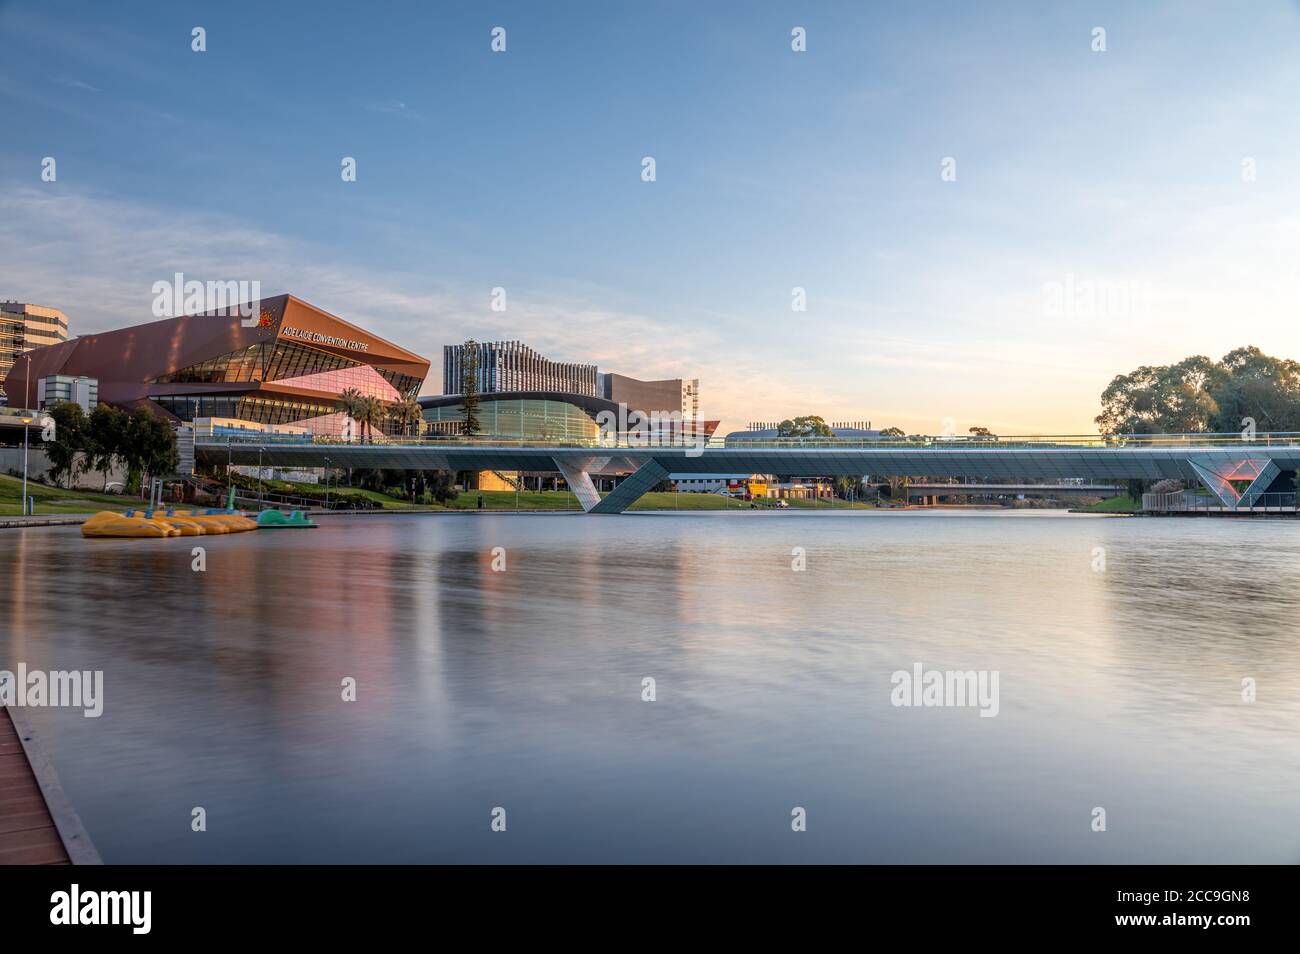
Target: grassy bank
x: 554, y: 500
x: 564, y: 500
x: 1121, y: 504
x: 53, y: 500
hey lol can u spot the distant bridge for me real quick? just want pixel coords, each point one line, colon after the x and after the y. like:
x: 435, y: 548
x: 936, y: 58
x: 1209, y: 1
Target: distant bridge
x: 1235, y: 470
x: 915, y: 489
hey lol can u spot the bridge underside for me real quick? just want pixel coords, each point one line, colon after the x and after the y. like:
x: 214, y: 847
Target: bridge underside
x: 1221, y: 470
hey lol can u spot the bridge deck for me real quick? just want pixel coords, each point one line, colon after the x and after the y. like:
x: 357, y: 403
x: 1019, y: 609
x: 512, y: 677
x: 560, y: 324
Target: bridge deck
x: 1190, y: 459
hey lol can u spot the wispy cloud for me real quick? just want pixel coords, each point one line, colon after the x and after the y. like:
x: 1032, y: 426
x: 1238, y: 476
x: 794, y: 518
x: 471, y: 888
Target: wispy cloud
x: 79, y: 84
x: 394, y: 107
x: 97, y: 258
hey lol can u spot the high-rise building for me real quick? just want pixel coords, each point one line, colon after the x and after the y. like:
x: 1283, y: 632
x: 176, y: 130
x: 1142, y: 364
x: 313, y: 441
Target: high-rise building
x: 513, y: 366
x: 670, y: 394
x: 22, y: 328
x: 526, y: 396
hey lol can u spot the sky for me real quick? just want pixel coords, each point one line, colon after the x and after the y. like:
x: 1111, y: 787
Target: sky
x: 988, y: 216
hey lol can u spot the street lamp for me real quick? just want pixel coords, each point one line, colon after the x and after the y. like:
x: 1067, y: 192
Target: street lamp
x: 27, y: 382
x: 327, y: 483
x: 26, y: 421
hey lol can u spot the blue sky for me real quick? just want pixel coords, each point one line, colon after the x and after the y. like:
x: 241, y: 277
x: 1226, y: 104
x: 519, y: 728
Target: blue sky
x: 1115, y: 174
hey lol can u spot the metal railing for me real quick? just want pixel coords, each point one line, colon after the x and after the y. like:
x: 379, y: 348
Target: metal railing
x: 1108, y: 441
x: 1191, y: 501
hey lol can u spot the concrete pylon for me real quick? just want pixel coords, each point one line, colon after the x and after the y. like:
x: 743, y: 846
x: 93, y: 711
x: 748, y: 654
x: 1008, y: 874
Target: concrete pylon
x: 579, y: 480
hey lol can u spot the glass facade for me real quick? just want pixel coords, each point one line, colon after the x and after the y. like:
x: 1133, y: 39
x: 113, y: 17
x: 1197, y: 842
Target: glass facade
x: 276, y: 361
x: 237, y: 367
x: 516, y: 419
x: 258, y: 409
x: 513, y: 366
x: 306, y: 367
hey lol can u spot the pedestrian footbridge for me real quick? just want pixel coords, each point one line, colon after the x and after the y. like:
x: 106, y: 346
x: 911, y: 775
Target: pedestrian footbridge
x: 1233, y: 470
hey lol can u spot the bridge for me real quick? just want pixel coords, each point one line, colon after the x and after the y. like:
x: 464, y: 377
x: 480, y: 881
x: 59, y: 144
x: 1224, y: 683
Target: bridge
x: 925, y: 489
x: 1235, y: 470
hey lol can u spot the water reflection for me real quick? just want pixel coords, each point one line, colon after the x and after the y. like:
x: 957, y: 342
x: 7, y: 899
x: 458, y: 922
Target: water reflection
x: 522, y: 688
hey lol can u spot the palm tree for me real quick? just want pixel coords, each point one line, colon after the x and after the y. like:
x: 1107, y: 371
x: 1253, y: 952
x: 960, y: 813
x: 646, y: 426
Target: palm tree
x: 408, y: 413
x: 350, y: 402
x: 372, y: 414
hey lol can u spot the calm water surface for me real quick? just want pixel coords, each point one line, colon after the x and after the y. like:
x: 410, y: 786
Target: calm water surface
x: 522, y: 689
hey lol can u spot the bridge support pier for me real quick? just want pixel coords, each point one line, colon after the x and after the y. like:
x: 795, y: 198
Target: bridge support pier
x: 1216, y: 476
x: 579, y: 481
x: 632, y: 487
x: 623, y: 496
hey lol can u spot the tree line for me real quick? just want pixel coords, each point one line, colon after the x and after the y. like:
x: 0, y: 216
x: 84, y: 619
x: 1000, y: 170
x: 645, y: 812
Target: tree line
x: 138, y: 440
x: 1246, y: 389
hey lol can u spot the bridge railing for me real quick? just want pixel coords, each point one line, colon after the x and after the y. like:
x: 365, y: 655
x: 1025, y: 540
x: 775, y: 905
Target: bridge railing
x: 1188, y: 501
x: 1116, y: 441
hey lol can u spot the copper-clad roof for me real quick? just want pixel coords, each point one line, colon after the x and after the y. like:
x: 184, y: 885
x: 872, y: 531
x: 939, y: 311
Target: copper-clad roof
x: 126, y: 360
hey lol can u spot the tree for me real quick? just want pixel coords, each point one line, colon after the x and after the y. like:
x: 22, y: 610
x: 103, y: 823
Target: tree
x: 1197, y: 395
x: 148, y: 446
x: 444, y: 489
x: 1259, y: 387
x: 893, y: 432
x: 469, y: 388
x: 807, y: 426
x: 408, y: 413
x: 349, y: 402
x: 104, y: 434
x: 69, y: 426
x: 371, y: 413
x: 847, y: 488
x: 1170, y: 399
x: 982, y: 433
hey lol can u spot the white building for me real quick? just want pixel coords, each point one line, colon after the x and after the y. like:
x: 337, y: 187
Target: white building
x: 65, y: 389
x: 714, y: 483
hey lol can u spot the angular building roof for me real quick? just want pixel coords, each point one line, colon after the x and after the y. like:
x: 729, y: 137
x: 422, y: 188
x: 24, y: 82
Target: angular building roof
x: 130, y: 361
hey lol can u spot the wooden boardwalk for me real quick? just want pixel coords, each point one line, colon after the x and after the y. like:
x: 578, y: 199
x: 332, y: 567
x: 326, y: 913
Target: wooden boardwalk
x: 37, y: 824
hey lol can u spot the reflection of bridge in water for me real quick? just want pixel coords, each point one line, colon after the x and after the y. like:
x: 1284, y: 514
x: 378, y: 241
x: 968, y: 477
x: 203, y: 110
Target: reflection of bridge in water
x: 1234, y: 472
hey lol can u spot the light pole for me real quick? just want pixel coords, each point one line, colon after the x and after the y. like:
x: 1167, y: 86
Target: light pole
x: 27, y: 384
x: 327, y: 483
x: 259, y: 477
x: 26, y: 421
x: 27, y: 402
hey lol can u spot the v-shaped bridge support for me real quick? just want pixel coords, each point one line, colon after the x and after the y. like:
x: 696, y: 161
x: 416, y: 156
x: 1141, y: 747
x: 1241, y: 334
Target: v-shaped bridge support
x: 1217, y: 476
x: 623, y: 496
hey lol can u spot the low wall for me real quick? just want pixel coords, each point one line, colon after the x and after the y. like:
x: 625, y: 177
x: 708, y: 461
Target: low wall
x: 11, y: 458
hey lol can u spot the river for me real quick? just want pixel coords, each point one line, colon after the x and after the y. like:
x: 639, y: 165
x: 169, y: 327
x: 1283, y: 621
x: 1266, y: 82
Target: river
x: 500, y: 661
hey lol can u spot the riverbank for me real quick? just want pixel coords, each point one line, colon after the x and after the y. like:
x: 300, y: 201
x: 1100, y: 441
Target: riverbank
x: 55, y: 502
x: 534, y: 500
x: 1124, y: 504
x: 52, y: 501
